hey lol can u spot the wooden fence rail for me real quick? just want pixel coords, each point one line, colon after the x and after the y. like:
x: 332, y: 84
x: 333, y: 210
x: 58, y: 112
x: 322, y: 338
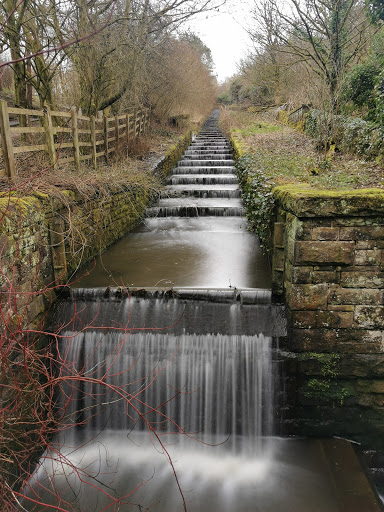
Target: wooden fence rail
x: 65, y: 137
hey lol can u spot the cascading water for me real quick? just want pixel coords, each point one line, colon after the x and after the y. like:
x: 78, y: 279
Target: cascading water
x: 216, y: 387
x: 205, y: 390
x: 170, y: 394
x: 190, y: 390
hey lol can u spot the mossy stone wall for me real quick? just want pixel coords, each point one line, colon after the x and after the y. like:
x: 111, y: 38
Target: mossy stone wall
x: 328, y: 264
x: 44, y: 239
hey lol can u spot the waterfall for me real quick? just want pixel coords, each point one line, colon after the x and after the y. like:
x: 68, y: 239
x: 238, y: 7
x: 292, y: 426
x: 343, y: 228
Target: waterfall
x: 213, y: 387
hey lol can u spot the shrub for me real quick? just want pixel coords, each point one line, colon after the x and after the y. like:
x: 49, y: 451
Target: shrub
x: 349, y: 134
x: 257, y: 196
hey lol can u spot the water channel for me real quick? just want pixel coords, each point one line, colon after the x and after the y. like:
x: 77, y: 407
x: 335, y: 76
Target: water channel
x: 193, y: 352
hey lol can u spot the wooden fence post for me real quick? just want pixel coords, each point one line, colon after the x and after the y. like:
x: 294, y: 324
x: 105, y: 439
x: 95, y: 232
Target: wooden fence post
x: 75, y: 139
x: 106, y: 143
x: 116, y: 132
x: 127, y: 123
x: 56, y: 232
x: 6, y: 141
x: 136, y: 124
x: 93, y: 140
x: 48, y: 125
x: 127, y: 120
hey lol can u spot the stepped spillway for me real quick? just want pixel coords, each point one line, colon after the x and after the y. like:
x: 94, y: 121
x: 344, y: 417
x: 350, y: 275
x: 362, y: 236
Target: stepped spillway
x: 192, y: 359
x: 196, y: 235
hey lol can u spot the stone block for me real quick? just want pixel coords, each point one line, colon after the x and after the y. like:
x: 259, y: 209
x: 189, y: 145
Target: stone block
x: 305, y: 232
x: 36, y: 307
x: 330, y: 253
x: 370, y: 317
x: 362, y: 233
x: 346, y: 347
x: 325, y: 233
x: 278, y: 234
x: 353, y: 342
x: 290, y: 249
x: 361, y: 279
x: 303, y: 319
x: 329, y: 276
x: 307, y: 296
x: 366, y: 244
x: 334, y: 319
x: 368, y: 257
x: 362, y: 296
x: 302, y: 275
x: 357, y: 221
x: 341, y: 307
x: 370, y: 386
x: 318, y: 222
x: 278, y: 259
x: 312, y: 340
x: 362, y: 365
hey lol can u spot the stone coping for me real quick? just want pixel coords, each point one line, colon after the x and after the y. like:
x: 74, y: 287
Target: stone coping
x: 304, y: 201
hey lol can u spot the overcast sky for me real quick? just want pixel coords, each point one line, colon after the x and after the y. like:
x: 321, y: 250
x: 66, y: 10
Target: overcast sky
x: 225, y: 35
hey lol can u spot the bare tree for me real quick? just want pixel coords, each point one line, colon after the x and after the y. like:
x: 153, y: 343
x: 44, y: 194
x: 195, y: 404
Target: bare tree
x: 327, y: 35
x: 181, y: 81
x: 115, y: 62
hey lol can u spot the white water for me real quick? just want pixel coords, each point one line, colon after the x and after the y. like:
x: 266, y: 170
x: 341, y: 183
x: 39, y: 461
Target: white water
x: 224, y: 465
x: 285, y: 478
x: 214, y: 386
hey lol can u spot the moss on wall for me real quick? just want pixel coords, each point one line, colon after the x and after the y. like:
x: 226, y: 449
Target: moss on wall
x: 44, y: 238
x: 304, y: 201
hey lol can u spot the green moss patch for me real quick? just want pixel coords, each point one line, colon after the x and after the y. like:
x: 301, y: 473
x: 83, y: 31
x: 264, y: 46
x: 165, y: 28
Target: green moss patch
x: 304, y: 201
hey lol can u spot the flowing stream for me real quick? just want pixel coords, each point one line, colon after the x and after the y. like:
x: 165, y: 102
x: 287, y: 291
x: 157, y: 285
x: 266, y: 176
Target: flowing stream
x: 169, y: 394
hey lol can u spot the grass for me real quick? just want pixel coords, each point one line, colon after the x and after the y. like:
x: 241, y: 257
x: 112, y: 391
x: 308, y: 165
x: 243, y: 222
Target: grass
x: 258, y: 127
x: 286, y: 155
x: 136, y: 169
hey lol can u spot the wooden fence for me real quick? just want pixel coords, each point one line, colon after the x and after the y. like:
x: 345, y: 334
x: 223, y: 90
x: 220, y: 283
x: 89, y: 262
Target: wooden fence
x: 65, y: 137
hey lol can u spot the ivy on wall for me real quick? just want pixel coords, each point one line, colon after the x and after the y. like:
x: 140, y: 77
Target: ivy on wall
x: 257, y: 196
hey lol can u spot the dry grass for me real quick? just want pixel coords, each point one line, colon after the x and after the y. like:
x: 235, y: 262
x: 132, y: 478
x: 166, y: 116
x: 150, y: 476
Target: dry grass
x: 288, y: 156
x: 130, y: 165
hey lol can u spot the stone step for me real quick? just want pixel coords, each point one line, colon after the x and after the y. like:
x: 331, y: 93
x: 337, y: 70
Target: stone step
x: 195, y: 211
x: 209, y: 156
x: 201, y: 147
x: 205, y: 170
x: 209, y: 136
x: 214, y: 142
x: 202, y: 191
x: 205, y: 163
x: 203, y: 179
x: 194, y: 151
x: 204, y: 202
x: 206, y: 140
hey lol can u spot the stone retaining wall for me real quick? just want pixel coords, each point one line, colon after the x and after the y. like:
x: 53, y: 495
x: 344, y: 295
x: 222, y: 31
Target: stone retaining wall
x: 44, y: 239
x: 328, y: 264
